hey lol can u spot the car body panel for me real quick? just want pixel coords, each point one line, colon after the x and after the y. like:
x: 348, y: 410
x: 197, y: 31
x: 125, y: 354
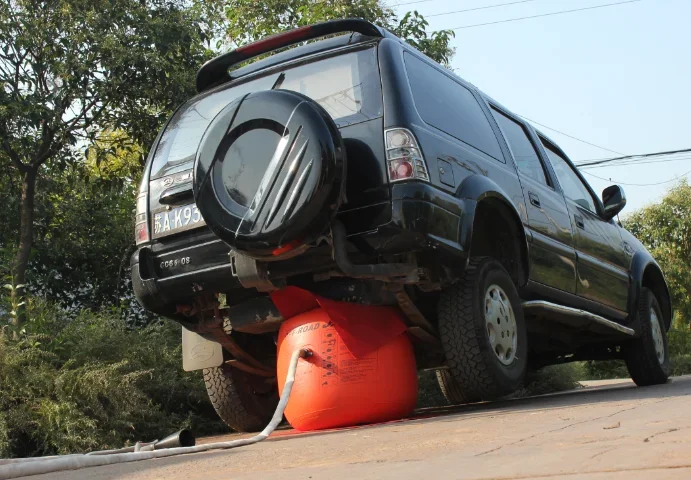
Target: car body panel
x: 602, y: 263
x: 600, y: 268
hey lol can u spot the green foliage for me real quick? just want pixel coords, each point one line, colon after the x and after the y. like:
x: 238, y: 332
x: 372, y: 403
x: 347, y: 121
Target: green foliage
x: 91, y: 383
x: 84, y: 229
x: 679, y: 344
x: 604, y: 369
x: 9, y: 200
x: 248, y: 21
x: 115, y: 157
x: 665, y: 229
x: 70, y: 69
x: 552, y: 379
x: 429, y: 394
x: 437, y: 45
x: 71, y: 65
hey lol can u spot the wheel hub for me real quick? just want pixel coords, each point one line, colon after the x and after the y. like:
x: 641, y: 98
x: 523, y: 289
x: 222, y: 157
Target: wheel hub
x: 658, y: 338
x: 500, y: 323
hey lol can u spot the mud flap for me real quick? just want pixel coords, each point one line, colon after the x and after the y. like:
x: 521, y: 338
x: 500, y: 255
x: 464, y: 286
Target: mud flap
x: 198, y: 352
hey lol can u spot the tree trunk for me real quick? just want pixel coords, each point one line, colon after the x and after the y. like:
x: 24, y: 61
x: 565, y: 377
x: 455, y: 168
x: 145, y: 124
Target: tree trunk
x: 26, y: 236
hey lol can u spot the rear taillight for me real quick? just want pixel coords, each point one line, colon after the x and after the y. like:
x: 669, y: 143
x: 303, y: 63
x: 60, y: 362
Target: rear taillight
x: 141, y: 225
x: 403, y: 156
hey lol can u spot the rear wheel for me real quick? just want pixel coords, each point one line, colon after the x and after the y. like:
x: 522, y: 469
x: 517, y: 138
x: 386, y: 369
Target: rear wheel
x: 245, y: 402
x: 450, y: 388
x: 647, y: 357
x: 483, y: 334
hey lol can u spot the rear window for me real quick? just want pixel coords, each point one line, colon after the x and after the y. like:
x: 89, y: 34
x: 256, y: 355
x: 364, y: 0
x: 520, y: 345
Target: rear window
x: 448, y: 106
x: 347, y: 86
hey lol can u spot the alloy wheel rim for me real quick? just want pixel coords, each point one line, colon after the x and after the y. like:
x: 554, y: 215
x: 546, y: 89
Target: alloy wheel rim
x: 658, y: 339
x: 500, y: 324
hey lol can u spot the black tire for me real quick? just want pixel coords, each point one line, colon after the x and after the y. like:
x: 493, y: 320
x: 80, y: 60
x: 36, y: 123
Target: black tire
x: 450, y: 388
x: 244, y: 402
x: 475, y: 372
x: 641, y: 355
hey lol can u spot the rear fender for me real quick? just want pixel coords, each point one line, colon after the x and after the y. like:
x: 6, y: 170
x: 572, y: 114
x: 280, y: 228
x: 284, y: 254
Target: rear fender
x: 646, y: 272
x: 480, y: 189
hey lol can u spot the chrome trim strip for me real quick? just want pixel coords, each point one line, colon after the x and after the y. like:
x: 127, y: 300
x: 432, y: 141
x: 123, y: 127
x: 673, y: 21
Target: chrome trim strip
x: 193, y: 272
x: 582, y: 313
x: 167, y: 252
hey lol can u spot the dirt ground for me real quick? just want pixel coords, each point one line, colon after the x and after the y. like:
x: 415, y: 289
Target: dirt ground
x: 609, y: 430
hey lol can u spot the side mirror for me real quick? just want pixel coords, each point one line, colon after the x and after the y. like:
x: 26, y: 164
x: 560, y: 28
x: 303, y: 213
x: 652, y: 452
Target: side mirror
x: 614, y: 200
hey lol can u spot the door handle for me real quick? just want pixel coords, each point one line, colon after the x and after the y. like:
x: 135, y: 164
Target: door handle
x: 579, y: 222
x: 176, y: 194
x: 534, y: 199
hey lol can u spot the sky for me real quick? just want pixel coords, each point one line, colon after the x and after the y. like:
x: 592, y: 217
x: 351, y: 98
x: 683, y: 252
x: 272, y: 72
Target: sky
x: 618, y: 77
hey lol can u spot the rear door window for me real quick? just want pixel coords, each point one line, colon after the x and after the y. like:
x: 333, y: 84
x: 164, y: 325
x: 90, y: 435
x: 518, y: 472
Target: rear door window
x: 522, y: 148
x: 571, y: 183
x: 347, y: 86
x: 450, y: 107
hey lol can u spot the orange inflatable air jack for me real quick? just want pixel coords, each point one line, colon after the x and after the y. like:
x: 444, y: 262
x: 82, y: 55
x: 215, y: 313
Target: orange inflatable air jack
x: 362, y: 369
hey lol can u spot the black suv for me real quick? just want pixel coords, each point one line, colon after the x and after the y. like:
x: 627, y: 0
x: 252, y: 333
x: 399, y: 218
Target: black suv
x: 359, y: 169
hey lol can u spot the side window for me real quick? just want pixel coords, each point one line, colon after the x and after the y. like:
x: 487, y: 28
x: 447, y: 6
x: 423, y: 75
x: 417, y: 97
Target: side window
x: 448, y: 106
x: 527, y: 159
x: 570, y: 182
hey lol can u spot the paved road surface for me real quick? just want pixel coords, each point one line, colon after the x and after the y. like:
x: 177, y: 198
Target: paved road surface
x: 611, y: 431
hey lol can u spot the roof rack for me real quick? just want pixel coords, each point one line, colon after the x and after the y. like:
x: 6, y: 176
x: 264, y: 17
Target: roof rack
x: 215, y: 71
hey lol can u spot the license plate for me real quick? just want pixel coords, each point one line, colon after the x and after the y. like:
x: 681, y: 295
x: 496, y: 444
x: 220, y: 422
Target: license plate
x: 176, y: 220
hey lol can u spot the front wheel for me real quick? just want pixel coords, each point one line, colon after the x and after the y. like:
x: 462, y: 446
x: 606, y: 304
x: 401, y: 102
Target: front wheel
x: 483, y: 334
x: 647, y: 357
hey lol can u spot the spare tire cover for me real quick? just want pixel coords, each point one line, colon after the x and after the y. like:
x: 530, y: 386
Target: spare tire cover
x: 269, y: 173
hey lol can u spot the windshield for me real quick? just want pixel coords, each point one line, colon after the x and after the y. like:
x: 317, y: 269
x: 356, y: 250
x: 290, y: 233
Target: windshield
x: 347, y: 86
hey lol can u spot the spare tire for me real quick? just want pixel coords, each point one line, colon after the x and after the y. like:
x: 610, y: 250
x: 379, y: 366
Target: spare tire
x: 269, y: 173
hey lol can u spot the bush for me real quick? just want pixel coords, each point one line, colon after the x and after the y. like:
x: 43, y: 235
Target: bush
x: 90, y: 383
x: 604, y: 369
x: 552, y: 379
x: 429, y: 393
x: 679, y: 343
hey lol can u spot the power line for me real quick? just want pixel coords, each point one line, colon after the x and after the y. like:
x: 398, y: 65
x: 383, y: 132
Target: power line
x: 622, y: 164
x: 544, y: 15
x: 640, y: 184
x: 570, y: 136
x: 526, y: 118
x: 588, y: 163
x: 411, y: 3
x: 479, y: 8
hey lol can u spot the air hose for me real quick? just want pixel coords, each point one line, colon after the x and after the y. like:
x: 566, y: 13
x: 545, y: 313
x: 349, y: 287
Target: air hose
x: 21, y: 467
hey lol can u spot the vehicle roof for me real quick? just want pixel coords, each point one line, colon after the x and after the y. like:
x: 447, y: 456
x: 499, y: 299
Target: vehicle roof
x: 306, y: 50
x: 339, y: 41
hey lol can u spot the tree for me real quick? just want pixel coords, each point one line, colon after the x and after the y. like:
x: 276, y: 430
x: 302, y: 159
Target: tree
x: 69, y: 68
x: 665, y: 228
x: 249, y: 21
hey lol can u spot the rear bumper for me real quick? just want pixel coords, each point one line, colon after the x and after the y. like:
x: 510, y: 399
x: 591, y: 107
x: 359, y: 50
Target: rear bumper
x: 443, y: 221
x: 418, y: 218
